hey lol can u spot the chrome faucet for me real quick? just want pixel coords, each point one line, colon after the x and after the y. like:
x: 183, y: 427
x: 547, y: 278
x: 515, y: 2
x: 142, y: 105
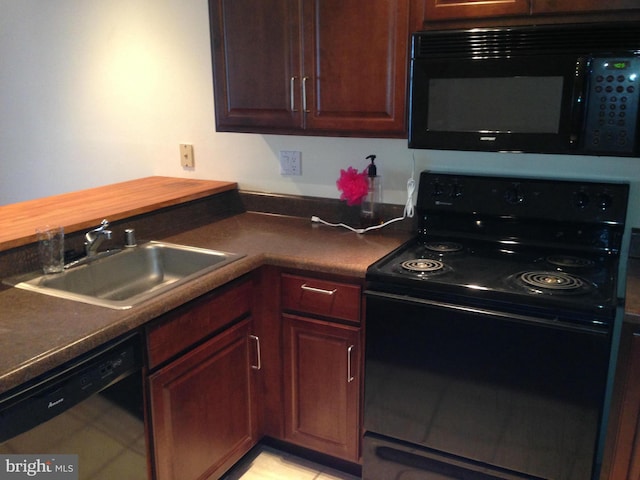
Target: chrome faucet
x: 93, y: 238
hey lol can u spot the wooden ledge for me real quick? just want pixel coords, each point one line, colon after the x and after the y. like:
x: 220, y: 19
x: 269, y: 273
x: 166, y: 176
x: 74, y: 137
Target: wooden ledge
x: 85, y: 209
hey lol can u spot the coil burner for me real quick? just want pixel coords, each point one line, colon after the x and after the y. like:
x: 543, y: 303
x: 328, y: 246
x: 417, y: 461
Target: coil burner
x: 568, y: 261
x: 422, y: 265
x: 443, y: 247
x: 551, y: 282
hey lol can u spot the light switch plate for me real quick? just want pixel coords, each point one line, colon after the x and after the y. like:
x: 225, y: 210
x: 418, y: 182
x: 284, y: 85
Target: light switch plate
x: 290, y: 162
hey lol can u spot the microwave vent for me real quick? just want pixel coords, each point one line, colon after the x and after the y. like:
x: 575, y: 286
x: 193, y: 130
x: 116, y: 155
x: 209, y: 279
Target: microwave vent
x: 536, y: 40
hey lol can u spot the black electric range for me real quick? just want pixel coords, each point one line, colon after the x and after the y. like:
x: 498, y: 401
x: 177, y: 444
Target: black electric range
x: 489, y: 334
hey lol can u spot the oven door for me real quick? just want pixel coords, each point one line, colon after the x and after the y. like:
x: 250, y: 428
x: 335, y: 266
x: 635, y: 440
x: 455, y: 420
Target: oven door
x: 505, y: 104
x: 494, y: 391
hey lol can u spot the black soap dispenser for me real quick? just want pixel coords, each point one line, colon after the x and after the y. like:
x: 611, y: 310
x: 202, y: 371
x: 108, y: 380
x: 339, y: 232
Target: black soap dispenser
x: 369, y: 213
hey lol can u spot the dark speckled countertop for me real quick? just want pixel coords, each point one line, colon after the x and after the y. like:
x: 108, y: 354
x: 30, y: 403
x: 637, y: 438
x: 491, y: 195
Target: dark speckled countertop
x: 39, y: 332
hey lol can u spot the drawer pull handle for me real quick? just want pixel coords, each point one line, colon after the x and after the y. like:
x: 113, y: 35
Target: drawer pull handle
x: 318, y: 290
x: 258, y: 365
x: 350, y: 376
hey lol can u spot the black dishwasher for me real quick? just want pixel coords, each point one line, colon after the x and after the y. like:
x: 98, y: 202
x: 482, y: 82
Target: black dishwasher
x: 91, y: 407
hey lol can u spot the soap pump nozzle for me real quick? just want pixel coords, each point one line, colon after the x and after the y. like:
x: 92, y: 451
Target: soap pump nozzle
x: 372, y: 170
x: 369, y: 213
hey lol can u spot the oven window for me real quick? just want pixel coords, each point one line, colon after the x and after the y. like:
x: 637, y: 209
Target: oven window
x: 484, y: 387
x: 500, y: 104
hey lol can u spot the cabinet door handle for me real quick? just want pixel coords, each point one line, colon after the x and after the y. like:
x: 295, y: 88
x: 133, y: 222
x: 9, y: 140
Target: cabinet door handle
x: 304, y: 95
x: 292, y: 87
x: 318, y: 290
x: 350, y: 376
x: 258, y: 364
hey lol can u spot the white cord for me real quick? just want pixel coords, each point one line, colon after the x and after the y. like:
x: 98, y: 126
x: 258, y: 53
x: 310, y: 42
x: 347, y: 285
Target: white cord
x: 408, y: 209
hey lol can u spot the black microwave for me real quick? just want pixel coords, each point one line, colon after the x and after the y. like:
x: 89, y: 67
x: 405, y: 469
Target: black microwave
x: 569, y: 89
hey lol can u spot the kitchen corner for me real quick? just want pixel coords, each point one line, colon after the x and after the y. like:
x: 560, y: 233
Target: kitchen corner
x: 39, y: 332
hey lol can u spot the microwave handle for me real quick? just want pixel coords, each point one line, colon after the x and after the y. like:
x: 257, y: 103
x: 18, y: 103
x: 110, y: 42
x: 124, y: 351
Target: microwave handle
x: 578, y: 100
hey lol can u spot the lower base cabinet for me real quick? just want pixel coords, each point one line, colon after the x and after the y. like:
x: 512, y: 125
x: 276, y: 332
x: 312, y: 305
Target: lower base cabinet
x: 213, y: 390
x: 203, y: 409
x: 322, y: 362
x: 322, y: 385
x: 204, y: 364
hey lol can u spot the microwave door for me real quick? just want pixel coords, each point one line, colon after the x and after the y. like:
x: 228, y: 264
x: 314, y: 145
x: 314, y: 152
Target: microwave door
x: 524, y: 104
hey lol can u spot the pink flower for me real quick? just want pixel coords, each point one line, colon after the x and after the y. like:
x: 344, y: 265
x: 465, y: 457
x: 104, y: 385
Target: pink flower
x: 353, y: 185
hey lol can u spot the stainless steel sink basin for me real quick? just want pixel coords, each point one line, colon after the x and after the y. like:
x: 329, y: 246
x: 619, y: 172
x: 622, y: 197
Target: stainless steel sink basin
x: 128, y: 277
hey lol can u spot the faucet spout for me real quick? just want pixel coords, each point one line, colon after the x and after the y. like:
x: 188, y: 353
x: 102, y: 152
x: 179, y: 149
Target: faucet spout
x: 93, y: 238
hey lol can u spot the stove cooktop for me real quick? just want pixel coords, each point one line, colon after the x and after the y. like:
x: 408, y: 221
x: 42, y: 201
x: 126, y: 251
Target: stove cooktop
x: 500, y: 273
x: 528, y: 245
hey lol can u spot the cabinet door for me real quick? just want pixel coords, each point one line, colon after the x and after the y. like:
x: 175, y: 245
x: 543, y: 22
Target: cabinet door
x: 322, y: 386
x: 466, y: 9
x: 566, y: 6
x: 256, y: 64
x: 203, y: 414
x: 355, y: 66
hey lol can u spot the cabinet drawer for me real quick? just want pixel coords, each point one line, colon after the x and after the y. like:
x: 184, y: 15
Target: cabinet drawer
x: 321, y: 297
x: 188, y: 325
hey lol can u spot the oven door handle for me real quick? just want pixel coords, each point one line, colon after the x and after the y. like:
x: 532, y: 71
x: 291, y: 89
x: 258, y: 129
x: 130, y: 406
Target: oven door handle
x: 601, y: 329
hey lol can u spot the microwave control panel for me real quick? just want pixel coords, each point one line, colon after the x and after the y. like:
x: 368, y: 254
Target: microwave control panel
x: 611, y: 123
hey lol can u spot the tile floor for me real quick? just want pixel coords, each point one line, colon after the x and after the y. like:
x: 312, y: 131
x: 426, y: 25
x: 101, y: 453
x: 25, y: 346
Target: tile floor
x: 266, y: 463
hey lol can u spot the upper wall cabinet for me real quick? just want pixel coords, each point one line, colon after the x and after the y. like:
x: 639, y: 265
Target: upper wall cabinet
x: 455, y: 9
x: 316, y: 67
x: 577, y: 6
x: 436, y: 14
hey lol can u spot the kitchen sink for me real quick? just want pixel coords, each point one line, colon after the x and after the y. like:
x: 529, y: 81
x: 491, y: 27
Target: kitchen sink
x: 126, y: 278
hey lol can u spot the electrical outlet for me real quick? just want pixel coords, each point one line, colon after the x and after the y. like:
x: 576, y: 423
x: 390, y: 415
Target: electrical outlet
x: 186, y: 155
x: 290, y: 162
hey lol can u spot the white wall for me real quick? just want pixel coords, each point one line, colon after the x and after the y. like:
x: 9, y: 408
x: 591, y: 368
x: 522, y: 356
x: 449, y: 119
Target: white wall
x: 99, y: 91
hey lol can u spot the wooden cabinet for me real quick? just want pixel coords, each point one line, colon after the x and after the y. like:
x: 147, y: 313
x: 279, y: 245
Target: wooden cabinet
x: 320, y: 67
x: 355, y: 65
x: 322, y: 378
x: 274, y: 353
x: 455, y: 9
x: 622, y: 453
x: 202, y: 400
x: 437, y: 14
x: 565, y: 6
x: 321, y: 297
x: 256, y: 59
x: 322, y: 365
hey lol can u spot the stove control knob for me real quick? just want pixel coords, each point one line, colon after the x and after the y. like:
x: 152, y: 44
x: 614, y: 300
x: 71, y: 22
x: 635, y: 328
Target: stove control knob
x: 513, y: 195
x: 437, y: 190
x: 456, y: 190
x: 582, y: 199
x: 604, y: 201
